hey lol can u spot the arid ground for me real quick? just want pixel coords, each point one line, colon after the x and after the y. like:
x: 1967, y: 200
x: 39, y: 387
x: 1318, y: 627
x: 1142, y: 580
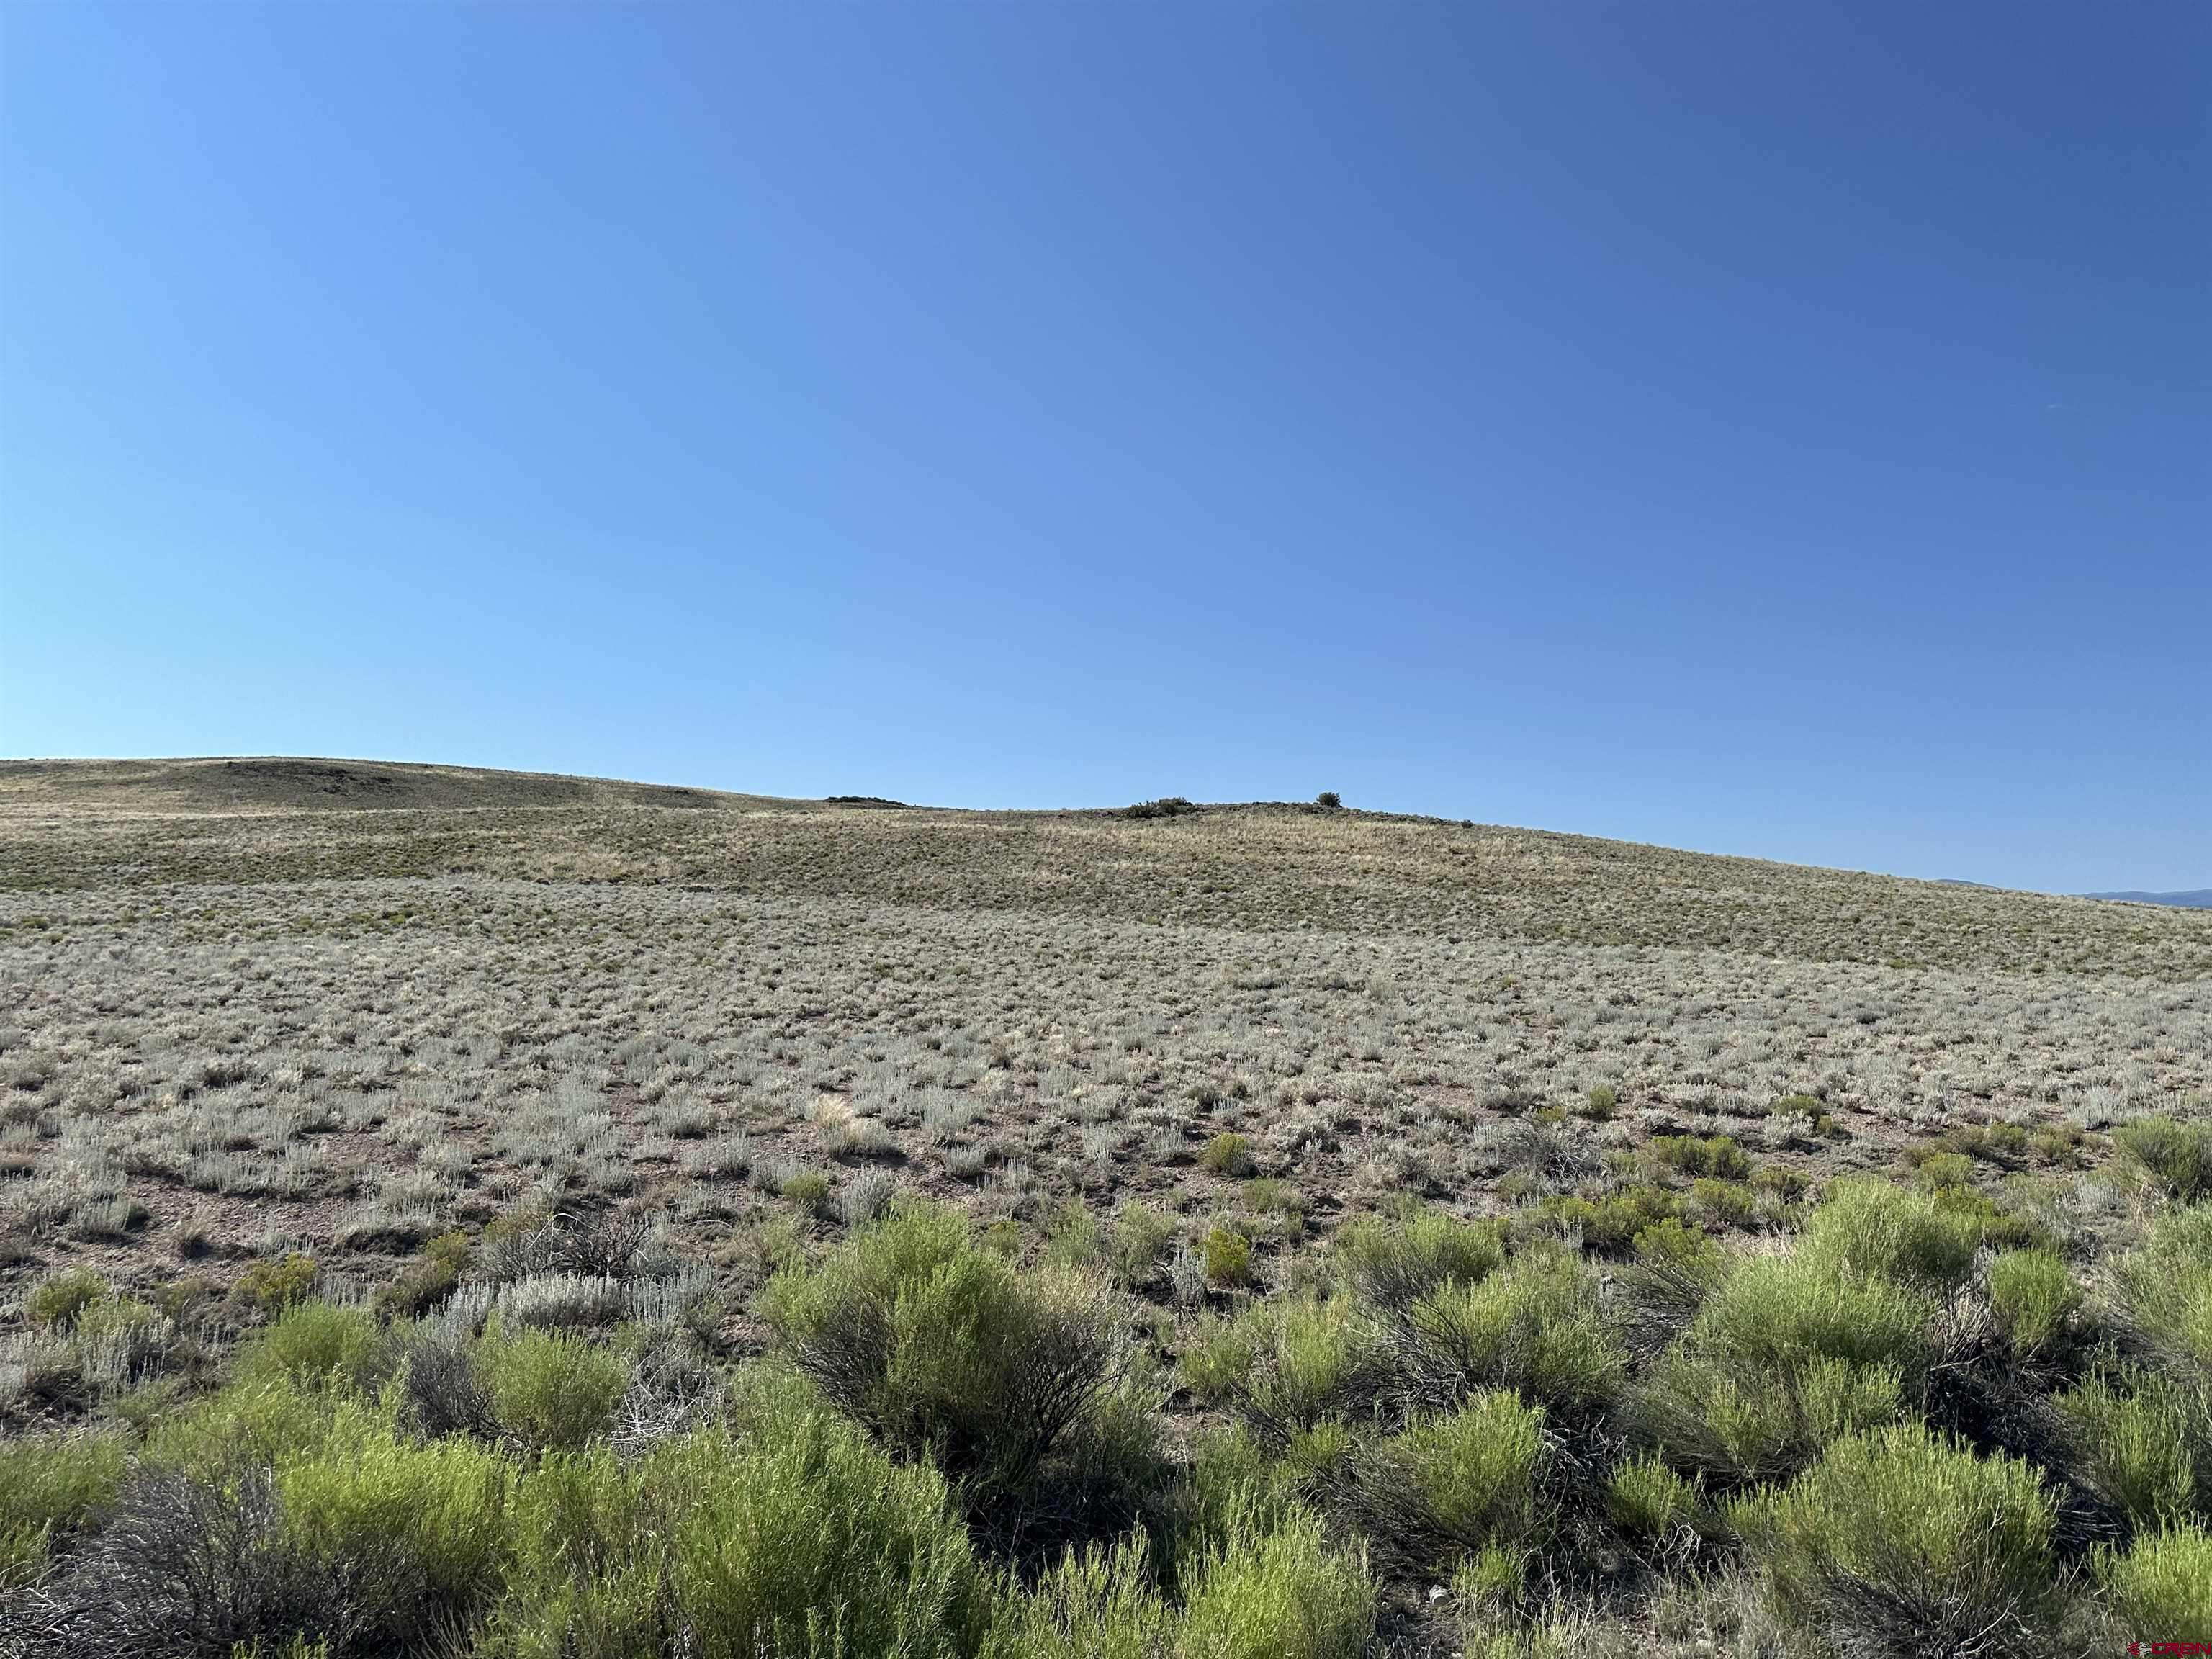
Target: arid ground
x: 261, y: 1012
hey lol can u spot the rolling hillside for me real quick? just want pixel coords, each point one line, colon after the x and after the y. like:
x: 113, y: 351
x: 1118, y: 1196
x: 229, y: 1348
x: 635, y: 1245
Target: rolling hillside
x: 1362, y: 1196
x: 67, y: 825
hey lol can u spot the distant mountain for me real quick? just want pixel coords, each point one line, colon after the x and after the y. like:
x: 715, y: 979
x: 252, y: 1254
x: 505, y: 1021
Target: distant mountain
x: 2200, y: 899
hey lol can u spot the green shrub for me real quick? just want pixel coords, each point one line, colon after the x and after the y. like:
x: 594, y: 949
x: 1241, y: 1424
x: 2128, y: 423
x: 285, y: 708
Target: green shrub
x: 373, y: 1560
x: 257, y: 1419
x: 2162, y: 1586
x: 793, y: 1536
x: 1235, y: 1487
x: 2176, y: 1155
x: 2143, y: 1444
x: 1289, y: 1364
x: 810, y: 1190
x: 55, y: 1302
x: 1787, y: 1354
x: 1396, y: 1263
x: 1603, y: 1101
x: 1491, y: 1579
x: 2059, y: 1145
x: 943, y: 1347
x: 1901, y: 1540
x: 315, y: 1343
x: 1324, y: 1356
x: 267, y: 1287
x: 1684, y: 1253
x: 1778, y: 1307
x: 1228, y: 1155
x: 429, y: 1280
x: 1676, y: 1268
x: 1142, y: 1236
x: 2033, y: 1297
x: 1785, y: 1184
x: 1167, y: 806
x: 1282, y: 1595
x: 1809, y: 1109
x: 1313, y: 1457
x: 1871, y: 1227
x: 1740, y: 1422
x: 1994, y: 1223
x: 549, y: 1390
x: 358, y: 1538
x: 1646, y: 1497
x: 589, y: 1569
x: 1216, y: 1359
x: 812, y: 1527
x: 1728, y: 1203
x: 1609, y: 1226
x: 1073, y: 1237
x: 1717, y: 1156
x: 146, y: 1405
x: 1939, y: 1171
x: 1535, y: 1326
x: 1669, y: 1245
x: 1453, y: 1482
x: 1998, y: 1143
x: 1323, y: 1361
x: 1227, y: 1255
x: 2182, y: 1236
x: 2165, y: 1287
x: 48, y: 1485
x: 1096, y: 1604
x: 433, y: 1513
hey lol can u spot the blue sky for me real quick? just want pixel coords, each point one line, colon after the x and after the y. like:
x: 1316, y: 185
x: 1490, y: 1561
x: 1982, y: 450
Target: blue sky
x: 1775, y: 430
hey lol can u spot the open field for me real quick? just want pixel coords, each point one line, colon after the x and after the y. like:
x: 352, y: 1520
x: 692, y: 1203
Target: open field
x: 1257, y: 1101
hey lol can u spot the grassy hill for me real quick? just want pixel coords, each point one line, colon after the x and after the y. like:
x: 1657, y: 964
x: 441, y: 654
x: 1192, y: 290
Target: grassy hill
x: 269, y: 783
x: 1309, y: 1162
x: 2199, y: 898
x: 72, y: 825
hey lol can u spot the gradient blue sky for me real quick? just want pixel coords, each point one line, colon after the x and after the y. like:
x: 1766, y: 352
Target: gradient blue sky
x: 1764, y: 428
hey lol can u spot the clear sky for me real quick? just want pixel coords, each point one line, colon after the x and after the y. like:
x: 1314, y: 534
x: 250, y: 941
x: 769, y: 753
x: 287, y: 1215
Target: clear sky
x: 1773, y: 428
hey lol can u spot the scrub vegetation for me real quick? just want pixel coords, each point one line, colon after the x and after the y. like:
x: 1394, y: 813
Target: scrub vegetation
x: 470, y: 1214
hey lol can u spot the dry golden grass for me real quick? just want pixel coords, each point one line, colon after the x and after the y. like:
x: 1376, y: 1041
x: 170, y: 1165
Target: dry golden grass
x: 234, y: 1007
x: 268, y: 1026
